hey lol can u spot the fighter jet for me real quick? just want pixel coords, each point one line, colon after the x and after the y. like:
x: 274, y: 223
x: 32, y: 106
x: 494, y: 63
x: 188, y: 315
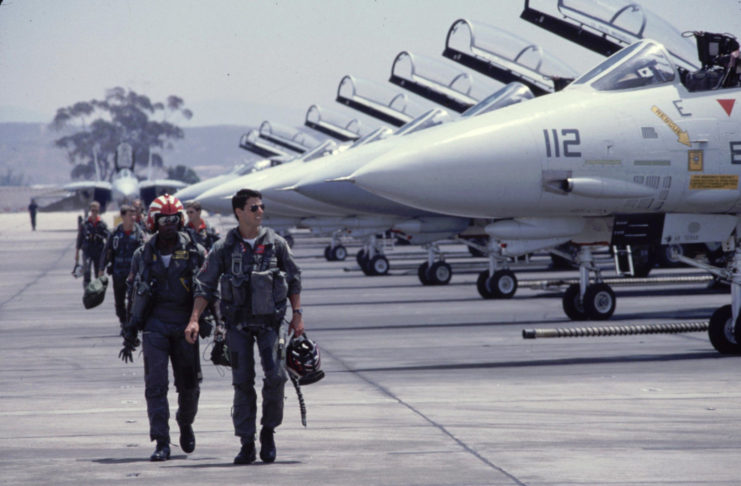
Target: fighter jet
x: 124, y: 186
x: 634, y: 150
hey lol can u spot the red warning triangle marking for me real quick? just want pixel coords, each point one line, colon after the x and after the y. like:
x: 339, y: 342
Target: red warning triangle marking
x: 727, y: 105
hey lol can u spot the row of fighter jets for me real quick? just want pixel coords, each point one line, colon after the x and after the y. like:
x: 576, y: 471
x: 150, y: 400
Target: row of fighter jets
x: 643, y: 149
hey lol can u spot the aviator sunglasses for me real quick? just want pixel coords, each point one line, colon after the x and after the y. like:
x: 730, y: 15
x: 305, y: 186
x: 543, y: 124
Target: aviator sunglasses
x: 255, y: 207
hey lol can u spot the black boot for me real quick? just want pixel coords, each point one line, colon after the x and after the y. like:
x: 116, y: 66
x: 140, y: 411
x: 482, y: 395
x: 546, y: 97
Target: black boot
x: 246, y: 454
x: 187, y: 438
x: 267, y: 445
x: 162, y: 452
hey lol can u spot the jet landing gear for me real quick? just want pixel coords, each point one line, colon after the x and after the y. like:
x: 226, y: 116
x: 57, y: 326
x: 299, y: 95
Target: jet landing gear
x: 371, y: 259
x: 434, y: 272
x: 498, y: 282
x: 335, y: 252
x: 724, y: 329
x: 582, y: 301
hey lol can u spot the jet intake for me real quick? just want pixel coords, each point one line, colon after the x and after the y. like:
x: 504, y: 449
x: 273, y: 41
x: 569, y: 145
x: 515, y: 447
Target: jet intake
x: 604, y: 187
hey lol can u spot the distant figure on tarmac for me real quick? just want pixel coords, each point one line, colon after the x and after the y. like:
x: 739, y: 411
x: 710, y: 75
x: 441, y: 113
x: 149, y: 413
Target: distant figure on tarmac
x: 92, y: 235
x: 201, y: 232
x: 32, y: 208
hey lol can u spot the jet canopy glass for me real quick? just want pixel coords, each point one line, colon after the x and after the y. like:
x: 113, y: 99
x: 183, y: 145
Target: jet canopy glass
x: 378, y: 101
x: 629, y: 22
x: 333, y: 124
x: 509, y: 95
x: 435, y: 116
x: 287, y: 137
x: 504, y: 56
x: 645, y: 63
x: 439, y: 82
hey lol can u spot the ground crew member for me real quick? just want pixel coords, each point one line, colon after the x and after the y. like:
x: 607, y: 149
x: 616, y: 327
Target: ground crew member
x: 118, y: 253
x: 91, y: 239
x: 199, y: 229
x: 32, y: 209
x: 257, y: 273
x: 164, y: 269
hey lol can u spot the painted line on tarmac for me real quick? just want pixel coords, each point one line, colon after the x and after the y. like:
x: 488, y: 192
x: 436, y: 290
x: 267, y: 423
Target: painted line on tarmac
x: 440, y: 427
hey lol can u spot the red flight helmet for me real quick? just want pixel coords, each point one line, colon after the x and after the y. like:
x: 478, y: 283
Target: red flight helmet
x: 165, y: 205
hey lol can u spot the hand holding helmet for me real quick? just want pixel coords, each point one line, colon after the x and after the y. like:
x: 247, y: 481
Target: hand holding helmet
x: 303, y: 360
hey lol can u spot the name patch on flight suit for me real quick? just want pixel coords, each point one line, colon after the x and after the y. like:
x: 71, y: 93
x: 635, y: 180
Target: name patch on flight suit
x: 694, y: 160
x: 180, y: 255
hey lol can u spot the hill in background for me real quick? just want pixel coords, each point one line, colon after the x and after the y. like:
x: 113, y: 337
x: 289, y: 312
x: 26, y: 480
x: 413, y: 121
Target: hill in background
x: 28, y: 151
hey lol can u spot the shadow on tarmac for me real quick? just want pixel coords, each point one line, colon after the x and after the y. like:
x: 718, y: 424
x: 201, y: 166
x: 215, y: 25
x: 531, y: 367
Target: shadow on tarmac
x: 550, y: 362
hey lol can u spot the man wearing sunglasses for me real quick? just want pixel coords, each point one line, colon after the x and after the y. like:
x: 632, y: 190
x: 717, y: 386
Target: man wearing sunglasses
x: 258, y: 275
x: 164, y: 269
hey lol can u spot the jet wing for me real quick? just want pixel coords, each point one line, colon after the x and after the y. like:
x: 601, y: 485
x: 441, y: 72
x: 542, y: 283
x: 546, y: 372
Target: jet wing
x: 150, y: 189
x: 377, y: 101
x: 606, y: 26
x: 438, y: 82
x: 504, y: 57
x: 84, y: 192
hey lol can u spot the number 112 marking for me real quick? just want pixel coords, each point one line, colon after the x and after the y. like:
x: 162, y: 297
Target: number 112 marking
x: 567, y: 145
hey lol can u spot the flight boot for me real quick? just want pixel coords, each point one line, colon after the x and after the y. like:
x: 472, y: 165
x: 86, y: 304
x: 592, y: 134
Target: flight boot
x: 187, y: 438
x: 162, y: 452
x: 267, y: 445
x: 246, y: 453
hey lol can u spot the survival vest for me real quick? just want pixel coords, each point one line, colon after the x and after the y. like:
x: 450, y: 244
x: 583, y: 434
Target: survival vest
x: 254, y: 290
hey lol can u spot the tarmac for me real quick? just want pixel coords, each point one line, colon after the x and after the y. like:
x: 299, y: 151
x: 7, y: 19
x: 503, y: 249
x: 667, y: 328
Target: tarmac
x: 424, y: 386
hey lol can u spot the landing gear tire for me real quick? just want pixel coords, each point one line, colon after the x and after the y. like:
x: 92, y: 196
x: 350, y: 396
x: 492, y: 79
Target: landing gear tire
x: 439, y: 273
x: 722, y: 331
x: 482, y: 285
x: 599, y: 301
x: 338, y: 253
x: 572, y: 305
x: 328, y: 253
x: 378, y: 265
x: 422, y: 274
x: 503, y: 284
x: 360, y: 257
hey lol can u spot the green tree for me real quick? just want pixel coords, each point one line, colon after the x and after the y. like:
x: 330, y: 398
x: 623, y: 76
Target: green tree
x: 183, y: 173
x: 99, y: 126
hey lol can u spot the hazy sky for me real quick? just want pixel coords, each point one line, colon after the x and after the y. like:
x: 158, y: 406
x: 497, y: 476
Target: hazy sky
x: 244, y: 61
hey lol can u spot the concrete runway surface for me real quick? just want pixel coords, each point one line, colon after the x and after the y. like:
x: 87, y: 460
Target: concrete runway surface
x: 425, y: 385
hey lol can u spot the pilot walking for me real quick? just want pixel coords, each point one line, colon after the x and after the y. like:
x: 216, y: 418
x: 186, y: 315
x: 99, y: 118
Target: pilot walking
x: 118, y: 253
x: 92, y: 235
x: 257, y: 274
x: 201, y: 232
x: 164, y: 269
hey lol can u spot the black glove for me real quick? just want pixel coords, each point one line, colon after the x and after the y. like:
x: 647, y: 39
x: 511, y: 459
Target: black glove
x: 205, y: 326
x: 130, y: 342
x: 109, y: 269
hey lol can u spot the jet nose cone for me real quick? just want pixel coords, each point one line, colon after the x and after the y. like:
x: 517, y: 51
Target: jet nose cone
x: 467, y: 168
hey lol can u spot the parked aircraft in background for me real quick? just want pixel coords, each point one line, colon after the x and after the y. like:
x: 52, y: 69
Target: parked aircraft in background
x: 124, y: 186
x: 635, y: 151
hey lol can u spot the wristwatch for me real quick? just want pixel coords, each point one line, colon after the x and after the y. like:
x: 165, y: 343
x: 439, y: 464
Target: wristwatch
x: 298, y: 311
